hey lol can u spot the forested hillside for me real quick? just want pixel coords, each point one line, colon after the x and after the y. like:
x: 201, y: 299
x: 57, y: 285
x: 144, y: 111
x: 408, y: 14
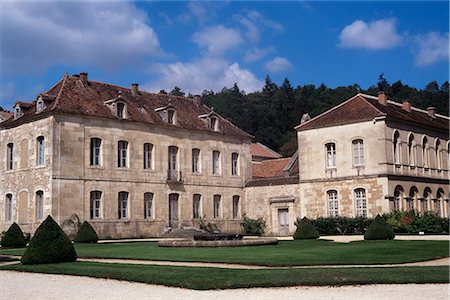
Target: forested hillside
x: 272, y: 113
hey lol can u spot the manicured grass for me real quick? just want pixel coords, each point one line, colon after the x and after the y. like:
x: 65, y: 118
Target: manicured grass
x: 286, y: 253
x: 216, y: 278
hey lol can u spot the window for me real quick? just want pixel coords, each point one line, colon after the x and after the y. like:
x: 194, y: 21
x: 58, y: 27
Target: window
x: 216, y: 162
x: 437, y: 155
x: 217, y: 206
x: 396, y: 146
x: 95, y: 156
x: 213, y: 123
x: 40, y: 157
x: 171, y: 116
x: 39, y: 105
x: 17, y: 112
x: 236, y: 211
x: 426, y: 195
x: 173, y: 163
x: 358, y: 152
x: 330, y: 155
x: 122, y: 154
x: 411, y: 150
x: 412, y: 196
x: 234, y: 163
x: 196, y: 206
x: 123, y: 205
x: 196, y: 160
x: 8, y: 208
x: 95, y: 210
x: 148, y: 157
x: 333, y: 203
x: 39, y: 205
x: 361, y: 202
x: 121, y: 110
x: 9, y: 156
x: 394, y: 203
x: 425, y: 156
x: 148, y: 205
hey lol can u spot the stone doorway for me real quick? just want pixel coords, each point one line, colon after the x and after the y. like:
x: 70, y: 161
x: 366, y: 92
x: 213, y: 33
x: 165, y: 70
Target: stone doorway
x: 283, y: 221
x: 173, y: 210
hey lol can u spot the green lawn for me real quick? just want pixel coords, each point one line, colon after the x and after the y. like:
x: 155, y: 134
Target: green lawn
x: 286, y: 253
x: 216, y: 278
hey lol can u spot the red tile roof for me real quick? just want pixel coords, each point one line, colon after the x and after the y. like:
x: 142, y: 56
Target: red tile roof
x: 363, y: 107
x: 5, y: 115
x: 270, y: 168
x: 261, y: 151
x: 71, y: 96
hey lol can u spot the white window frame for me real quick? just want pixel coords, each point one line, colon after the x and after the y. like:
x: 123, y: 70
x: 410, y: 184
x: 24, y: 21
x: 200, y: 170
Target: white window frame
x: 360, y: 195
x: 39, y: 106
x: 196, y: 168
x: 217, y: 211
x: 148, y: 156
x: 10, y: 156
x: 123, y: 205
x: 235, y: 164
x: 122, y: 154
x: 40, y: 151
x: 96, y: 205
x: 148, y: 205
x: 333, y: 203
x: 196, y: 206
x: 216, y: 165
x: 330, y: 155
x: 96, y: 152
x: 358, y: 152
x: 396, y: 147
x: 121, y: 110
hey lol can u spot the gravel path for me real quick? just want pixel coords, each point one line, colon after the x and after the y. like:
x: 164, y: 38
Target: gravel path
x: 16, y: 285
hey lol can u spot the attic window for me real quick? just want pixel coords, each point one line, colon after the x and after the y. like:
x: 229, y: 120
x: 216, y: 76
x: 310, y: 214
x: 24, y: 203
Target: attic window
x: 171, y: 116
x: 214, y: 123
x: 168, y: 114
x: 17, y: 112
x: 121, y: 110
x: 39, y: 105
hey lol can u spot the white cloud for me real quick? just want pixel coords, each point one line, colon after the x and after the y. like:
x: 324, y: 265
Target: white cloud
x: 380, y: 34
x: 254, y: 23
x: 205, y: 73
x: 217, y: 39
x: 36, y: 36
x: 256, y: 54
x: 431, y: 48
x: 278, y: 64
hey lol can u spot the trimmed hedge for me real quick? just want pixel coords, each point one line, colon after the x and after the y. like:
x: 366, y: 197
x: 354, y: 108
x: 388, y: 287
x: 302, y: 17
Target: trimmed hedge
x: 49, y: 245
x: 341, y: 225
x: 13, y: 237
x: 379, y: 230
x: 86, y: 234
x: 413, y: 222
x: 253, y: 226
x: 305, y: 230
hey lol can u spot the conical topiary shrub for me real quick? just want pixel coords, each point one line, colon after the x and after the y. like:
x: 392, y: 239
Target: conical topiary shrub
x: 49, y: 245
x: 305, y: 230
x: 379, y: 230
x: 86, y: 234
x: 13, y: 237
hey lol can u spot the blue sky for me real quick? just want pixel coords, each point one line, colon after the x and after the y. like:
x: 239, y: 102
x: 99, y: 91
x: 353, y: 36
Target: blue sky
x: 213, y: 44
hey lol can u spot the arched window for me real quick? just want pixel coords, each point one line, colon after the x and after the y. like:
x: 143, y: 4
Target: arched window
x: 396, y: 147
x: 121, y: 110
x: 214, y: 123
x: 95, y: 155
x: 236, y: 210
x: 95, y: 209
x: 40, y: 154
x: 148, y: 205
x: 8, y: 208
x: 10, y: 156
x: 437, y: 202
x: 361, y: 202
x: 425, y: 153
x: 196, y: 213
x: 196, y: 160
x: 411, y: 150
x: 330, y: 155
x: 234, y: 164
x: 333, y: 203
x: 426, y: 198
x: 358, y: 152
x: 437, y: 153
x: 171, y: 116
x: 123, y: 205
x: 216, y: 167
x: 39, y: 105
x: 39, y: 205
x: 412, y: 197
x: 394, y: 204
x: 148, y: 156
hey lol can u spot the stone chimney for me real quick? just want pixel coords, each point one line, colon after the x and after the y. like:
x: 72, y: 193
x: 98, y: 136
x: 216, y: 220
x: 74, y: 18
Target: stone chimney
x: 431, y: 111
x: 382, y: 98
x: 197, y: 100
x: 406, y: 105
x: 84, y: 78
x: 135, y: 89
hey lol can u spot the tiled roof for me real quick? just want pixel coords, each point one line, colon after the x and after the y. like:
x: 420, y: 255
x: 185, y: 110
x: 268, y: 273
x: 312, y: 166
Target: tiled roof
x: 5, y: 115
x: 264, y: 152
x: 363, y: 107
x: 70, y: 95
x: 270, y: 168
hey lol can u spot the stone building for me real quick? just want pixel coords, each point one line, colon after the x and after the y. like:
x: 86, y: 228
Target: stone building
x: 134, y: 164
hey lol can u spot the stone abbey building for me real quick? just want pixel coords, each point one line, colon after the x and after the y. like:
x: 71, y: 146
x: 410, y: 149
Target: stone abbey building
x: 137, y: 164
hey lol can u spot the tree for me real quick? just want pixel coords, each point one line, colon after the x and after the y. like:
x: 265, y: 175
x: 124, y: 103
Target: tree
x: 177, y: 91
x: 383, y: 84
x: 13, y: 237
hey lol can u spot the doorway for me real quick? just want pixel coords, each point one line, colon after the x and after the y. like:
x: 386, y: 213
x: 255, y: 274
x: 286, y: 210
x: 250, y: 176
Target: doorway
x: 283, y: 221
x: 173, y: 210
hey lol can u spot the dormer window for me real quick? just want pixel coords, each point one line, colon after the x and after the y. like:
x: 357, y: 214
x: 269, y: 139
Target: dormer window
x: 167, y: 113
x: 17, y: 112
x: 214, y: 123
x: 171, y: 116
x: 121, y: 110
x: 39, y: 105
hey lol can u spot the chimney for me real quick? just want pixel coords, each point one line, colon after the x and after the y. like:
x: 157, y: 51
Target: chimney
x: 135, y: 89
x: 431, y: 111
x: 406, y: 105
x: 84, y: 78
x: 382, y: 98
x: 197, y: 100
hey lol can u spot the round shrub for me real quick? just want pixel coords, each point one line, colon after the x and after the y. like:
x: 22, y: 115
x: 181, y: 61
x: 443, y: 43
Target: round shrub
x: 13, y: 237
x: 305, y: 230
x: 86, y: 234
x: 49, y: 245
x: 379, y: 230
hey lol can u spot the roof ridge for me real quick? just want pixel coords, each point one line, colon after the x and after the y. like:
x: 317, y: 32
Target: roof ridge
x: 63, y: 84
x: 269, y: 149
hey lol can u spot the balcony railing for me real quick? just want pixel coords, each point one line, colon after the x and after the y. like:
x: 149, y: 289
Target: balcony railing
x: 174, y: 176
